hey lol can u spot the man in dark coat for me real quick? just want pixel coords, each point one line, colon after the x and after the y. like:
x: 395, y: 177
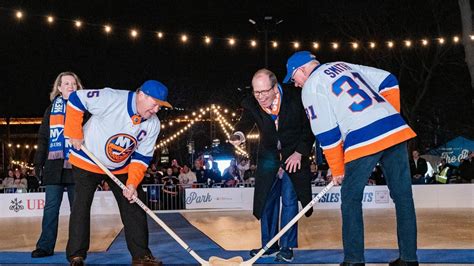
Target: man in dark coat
x: 418, y: 168
x: 283, y: 164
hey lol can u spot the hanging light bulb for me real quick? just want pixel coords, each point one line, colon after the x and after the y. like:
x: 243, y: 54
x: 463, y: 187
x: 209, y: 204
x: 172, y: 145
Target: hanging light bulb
x: 107, y: 28
x: 19, y: 15
x: 78, y: 23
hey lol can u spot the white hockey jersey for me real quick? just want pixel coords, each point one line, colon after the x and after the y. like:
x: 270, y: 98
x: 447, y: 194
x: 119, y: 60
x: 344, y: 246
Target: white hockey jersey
x: 354, y: 111
x: 115, y: 134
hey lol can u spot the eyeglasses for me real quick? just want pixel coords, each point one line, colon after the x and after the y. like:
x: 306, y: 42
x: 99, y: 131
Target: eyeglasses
x: 263, y: 92
x: 293, y: 75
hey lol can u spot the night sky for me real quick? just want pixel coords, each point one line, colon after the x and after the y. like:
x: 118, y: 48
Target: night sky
x: 33, y: 52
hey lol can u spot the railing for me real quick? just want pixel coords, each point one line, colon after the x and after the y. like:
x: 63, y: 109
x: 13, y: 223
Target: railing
x: 21, y: 190
x: 172, y: 197
x: 169, y: 196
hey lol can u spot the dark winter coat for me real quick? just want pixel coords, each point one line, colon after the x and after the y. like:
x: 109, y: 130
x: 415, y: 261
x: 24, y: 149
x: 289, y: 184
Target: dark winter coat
x: 294, y: 133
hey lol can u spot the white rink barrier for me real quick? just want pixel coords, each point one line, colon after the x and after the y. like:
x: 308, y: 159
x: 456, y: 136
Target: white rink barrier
x: 425, y: 196
x: 32, y: 204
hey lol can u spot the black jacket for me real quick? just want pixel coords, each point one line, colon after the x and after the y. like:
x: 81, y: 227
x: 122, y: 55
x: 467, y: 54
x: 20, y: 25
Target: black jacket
x: 52, y: 171
x: 420, y: 168
x: 294, y: 133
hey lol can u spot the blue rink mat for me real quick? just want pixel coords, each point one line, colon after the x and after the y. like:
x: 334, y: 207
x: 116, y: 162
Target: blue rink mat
x: 171, y: 253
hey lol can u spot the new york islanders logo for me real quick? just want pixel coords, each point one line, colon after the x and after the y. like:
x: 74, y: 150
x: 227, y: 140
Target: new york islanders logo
x: 119, y: 147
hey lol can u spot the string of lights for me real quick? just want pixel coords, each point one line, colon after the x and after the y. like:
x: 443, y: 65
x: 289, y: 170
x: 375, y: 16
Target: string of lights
x: 223, y: 123
x: 253, y: 136
x: 190, y: 120
x: 136, y: 33
x: 18, y: 146
x: 23, y: 164
x: 200, y: 117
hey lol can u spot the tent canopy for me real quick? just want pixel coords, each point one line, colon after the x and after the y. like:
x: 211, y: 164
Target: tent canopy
x: 454, y: 150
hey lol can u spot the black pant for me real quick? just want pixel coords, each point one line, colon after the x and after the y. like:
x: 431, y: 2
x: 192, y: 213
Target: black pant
x: 133, y: 217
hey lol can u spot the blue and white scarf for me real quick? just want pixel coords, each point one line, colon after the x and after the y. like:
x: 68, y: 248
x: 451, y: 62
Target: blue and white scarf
x: 57, y: 142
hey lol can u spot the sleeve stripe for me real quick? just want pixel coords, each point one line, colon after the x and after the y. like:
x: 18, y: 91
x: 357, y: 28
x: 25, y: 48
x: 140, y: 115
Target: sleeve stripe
x: 73, y: 125
x: 335, y: 159
x: 332, y: 145
x: 393, y: 97
x: 140, y: 162
x: 389, y: 82
x: 75, y: 108
x: 137, y: 157
x: 75, y: 102
x: 329, y: 137
x: 136, y: 172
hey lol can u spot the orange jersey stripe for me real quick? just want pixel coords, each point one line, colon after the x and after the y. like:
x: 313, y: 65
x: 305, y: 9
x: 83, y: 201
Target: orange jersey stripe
x: 335, y: 159
x: 78, y: 162
x: 136, y: 172
x: 393, y: 97
x: 73, y: 125
x: 380, y: 145
x: 56, y: 120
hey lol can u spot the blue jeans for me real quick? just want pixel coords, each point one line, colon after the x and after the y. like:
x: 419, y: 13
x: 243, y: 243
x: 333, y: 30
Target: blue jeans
x: 49, y: 228
x: 395, y: 166
x: 270, y: 219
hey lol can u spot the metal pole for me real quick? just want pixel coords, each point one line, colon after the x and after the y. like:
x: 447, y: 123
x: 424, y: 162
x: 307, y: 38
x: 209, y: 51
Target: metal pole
x: 266, y: 46
x: 3, y: 159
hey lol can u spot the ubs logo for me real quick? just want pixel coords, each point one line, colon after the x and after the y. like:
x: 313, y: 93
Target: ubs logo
x: 119, y: 147
x: 16, y: 205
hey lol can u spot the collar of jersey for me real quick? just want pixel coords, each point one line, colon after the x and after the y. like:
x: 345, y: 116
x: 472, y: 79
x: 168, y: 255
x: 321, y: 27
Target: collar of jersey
x: 132, y: 105
x: 318, y: 66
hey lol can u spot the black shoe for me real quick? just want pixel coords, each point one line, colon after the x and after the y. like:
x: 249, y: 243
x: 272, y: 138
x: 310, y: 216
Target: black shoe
x: 352, y: 264
x: 271, y: 252
x: 77, y: 261
x: 285, y: 254
x: 40, y: 253
x: 400, y: 262
x: 147, y: 260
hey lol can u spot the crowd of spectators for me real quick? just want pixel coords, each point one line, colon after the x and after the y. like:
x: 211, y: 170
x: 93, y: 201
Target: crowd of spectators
x: 423, y: 172
x: 171, y: 179
x: 19, y: 180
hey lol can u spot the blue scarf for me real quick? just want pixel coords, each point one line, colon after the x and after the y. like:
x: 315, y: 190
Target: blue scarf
x: 57, y: 143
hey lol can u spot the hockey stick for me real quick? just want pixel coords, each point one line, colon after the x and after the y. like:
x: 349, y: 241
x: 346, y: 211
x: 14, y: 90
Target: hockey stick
x: 213, y: 261
x: 287, y: 227
x: 232, y: 261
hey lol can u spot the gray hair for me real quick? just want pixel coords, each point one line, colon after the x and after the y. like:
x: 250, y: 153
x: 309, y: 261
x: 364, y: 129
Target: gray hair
x: 271, y: 76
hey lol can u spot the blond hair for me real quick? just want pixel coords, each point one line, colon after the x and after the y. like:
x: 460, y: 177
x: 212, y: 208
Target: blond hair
x: 55, y: 91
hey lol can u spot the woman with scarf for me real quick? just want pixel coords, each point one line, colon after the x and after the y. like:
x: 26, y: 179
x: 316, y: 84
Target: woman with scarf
x: 51, y: 161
